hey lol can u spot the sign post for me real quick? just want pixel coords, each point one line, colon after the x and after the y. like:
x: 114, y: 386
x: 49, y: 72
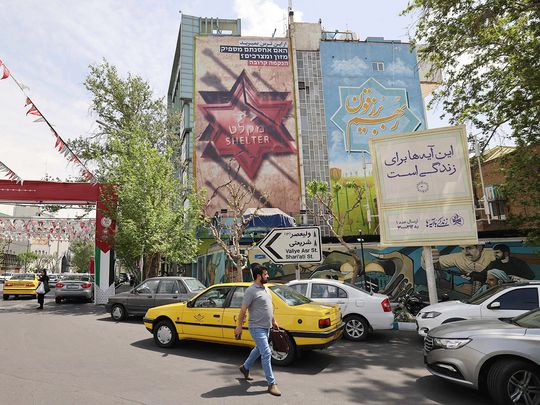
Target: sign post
x: 301, y: 244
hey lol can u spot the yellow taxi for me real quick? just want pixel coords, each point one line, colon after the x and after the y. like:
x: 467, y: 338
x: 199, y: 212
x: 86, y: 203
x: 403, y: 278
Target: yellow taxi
x: 212, y: 316
x: 20, y: 284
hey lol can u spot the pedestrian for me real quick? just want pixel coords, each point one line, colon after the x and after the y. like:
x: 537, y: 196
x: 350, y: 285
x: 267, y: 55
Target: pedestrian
x: 258, y: 302
x: 43, y: 278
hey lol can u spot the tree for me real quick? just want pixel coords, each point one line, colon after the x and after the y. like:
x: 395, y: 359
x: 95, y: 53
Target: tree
x: 320, y: 193
x: 82, y: 251
x: 135, y: 150
x: 228, y: 234
x: 26, y: 259
x: 488, y: 51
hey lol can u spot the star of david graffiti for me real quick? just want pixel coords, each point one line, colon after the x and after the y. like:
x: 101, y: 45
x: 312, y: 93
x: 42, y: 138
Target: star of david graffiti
x: 246, y: 124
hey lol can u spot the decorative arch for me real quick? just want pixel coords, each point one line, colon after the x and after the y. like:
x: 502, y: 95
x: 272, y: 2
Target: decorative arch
x: 100, y: 195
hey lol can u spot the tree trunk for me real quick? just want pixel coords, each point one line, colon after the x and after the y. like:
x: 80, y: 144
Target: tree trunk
x: 357, y: 268
x: 239, y: 276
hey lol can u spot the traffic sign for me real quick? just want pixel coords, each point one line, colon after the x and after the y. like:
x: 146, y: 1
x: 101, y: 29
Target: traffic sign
x: 301, y: 244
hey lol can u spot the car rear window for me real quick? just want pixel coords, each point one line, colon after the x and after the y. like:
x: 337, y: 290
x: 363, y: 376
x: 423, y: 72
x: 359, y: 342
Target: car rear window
x: 290, y: 296
x: 76, y: 277
x: 194, y: 284
x: 23, y: 276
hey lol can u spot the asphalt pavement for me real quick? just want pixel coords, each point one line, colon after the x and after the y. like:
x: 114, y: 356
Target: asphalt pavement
x: 74, y: 353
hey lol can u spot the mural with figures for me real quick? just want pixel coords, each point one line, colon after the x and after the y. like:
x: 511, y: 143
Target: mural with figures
x: 461, y: 271
x: 370, y: 89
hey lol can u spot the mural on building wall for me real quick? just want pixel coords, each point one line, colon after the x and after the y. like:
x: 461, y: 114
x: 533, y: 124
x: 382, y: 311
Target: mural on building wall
x: 461, y: 271
x: 370, y: 89
x: 244, y: 119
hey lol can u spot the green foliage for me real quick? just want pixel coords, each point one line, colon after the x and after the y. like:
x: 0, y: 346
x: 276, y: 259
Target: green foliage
x: 520, y: 165
x: 135, y: 151
x: 81, y: 251
x: 27, y: 258
x: 489, y: 51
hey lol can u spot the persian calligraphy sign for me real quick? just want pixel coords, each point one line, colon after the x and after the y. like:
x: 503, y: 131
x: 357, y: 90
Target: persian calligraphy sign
x: 244, y: 119
x: 372, y: 110
x: 301, y: 244
x: 424, y: 188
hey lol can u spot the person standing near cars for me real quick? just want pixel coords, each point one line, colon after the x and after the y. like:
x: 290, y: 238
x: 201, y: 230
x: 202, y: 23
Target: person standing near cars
x: 258, y: 302
x: 44, y: 279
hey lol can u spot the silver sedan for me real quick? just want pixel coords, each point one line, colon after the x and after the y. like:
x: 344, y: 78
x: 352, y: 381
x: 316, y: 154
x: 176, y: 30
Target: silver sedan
x: 500, y: 356
x: 74, y: 286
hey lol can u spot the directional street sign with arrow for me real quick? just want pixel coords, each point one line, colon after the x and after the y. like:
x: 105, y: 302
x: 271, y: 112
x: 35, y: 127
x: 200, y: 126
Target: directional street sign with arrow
x: 301, y: 244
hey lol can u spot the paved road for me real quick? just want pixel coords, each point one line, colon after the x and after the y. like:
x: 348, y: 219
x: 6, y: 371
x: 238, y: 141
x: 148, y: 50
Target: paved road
x: 74, y: 353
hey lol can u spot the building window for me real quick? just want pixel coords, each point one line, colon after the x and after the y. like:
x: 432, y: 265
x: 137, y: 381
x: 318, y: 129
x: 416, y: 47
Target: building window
x: 377, y: 66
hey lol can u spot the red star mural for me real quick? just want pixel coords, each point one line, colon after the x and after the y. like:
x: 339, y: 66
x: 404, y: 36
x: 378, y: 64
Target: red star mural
x: 246, y: 124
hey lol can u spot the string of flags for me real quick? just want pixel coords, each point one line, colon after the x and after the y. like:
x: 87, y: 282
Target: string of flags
x: 47, y: 229
x: 60, y: 144
x: 10, y: 173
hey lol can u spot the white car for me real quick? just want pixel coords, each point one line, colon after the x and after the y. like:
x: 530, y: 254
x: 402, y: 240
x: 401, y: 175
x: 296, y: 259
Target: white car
x: 5, y: 276
x: 500, y: 302
x: 362, y: 311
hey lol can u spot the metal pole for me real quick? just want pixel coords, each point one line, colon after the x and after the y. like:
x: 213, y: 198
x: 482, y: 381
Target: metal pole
x: 363, y: 262
x: 366, y: 191
x: 430, y: 274
x: 486, y: 204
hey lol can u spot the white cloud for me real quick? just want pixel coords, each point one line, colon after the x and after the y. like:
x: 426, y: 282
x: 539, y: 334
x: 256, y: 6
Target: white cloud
x: 262, y: 17
x: 349, y: 67
x: 398, y: 66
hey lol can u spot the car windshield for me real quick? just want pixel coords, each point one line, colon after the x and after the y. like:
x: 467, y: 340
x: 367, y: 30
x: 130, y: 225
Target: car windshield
x: 529, y: 319
x: 76, y: 277
x: 290, y: 296
x: 489, y: 293
x: 23, y: 276
x: 194, y: 284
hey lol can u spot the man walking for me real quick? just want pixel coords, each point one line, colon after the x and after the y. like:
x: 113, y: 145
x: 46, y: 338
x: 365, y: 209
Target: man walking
x: 258, y: 301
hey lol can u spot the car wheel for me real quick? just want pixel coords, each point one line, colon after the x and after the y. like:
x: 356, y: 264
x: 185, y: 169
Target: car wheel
x: 58, y: 300
x: 5, y: 297
x: 118, y: 312
x: 514, y: 382
x: 165, y: 334
x: 283, y: 358
x: 356, y: 328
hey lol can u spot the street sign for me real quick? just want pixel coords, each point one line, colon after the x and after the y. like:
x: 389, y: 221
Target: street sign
x: 301, y: 244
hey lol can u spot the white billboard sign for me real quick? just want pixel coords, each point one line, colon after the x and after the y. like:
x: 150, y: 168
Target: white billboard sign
x: 424, y: 188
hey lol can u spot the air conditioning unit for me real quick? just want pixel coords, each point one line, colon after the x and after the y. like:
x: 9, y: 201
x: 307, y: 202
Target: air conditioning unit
x: 490, y: 193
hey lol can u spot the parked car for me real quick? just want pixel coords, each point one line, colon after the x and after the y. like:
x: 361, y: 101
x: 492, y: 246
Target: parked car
x: 20, y: 284
x: 151, y: 293
x: 503, y: 301
x: 212, y: 315
x: 502, y: 357
x: 53, y: 279
x: 362, y: 311
x: 74, y: 286
x: 5, y: 276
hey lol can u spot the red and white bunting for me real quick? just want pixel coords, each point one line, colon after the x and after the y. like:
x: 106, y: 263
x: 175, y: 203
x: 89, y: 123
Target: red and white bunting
x: 5, y: 70
x: 10, y: 174
x: 33, y: 110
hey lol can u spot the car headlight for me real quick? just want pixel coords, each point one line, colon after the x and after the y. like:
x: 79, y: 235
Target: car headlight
x: 432, y: 314
x: 449, y: 343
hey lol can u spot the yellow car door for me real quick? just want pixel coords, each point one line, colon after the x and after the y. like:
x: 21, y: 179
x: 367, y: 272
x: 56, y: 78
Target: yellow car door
x: 230, y: 316
x: 203, y: 317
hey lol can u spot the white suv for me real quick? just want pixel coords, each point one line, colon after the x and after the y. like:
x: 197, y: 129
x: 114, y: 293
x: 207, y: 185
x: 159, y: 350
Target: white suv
x: 362, y: 311
x: 500, y: 302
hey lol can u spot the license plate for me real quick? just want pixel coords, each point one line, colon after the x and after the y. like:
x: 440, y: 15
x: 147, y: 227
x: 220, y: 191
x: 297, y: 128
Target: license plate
x: 72, y: 287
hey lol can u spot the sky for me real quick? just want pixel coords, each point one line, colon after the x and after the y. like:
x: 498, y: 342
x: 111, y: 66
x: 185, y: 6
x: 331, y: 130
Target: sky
x: 49, y: 44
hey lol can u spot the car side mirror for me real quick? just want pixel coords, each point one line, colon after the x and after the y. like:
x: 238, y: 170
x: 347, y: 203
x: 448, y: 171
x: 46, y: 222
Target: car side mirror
x: 494, y: 305
x: 190, y: 304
